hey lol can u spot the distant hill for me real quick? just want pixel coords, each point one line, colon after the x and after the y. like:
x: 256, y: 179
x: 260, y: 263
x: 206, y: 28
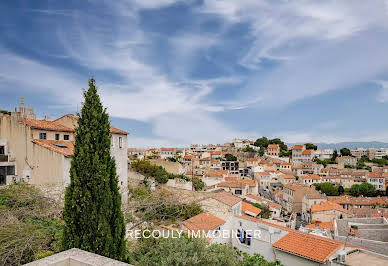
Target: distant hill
x: 350, y: 145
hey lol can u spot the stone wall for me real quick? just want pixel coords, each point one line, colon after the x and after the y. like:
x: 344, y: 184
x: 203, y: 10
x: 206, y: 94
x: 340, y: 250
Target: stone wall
x: 376, y: 246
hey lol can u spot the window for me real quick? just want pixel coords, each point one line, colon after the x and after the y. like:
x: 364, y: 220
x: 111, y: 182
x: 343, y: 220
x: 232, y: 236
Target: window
x: 238, y: 192
x: 66, y: 137
x: 42, y: 135
x: 243, y: 237
x: 57, y: 136
x: 120, y: 142
x: 2, y: 150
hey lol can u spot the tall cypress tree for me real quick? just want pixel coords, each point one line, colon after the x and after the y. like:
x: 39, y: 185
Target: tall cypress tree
x: 92, y: 212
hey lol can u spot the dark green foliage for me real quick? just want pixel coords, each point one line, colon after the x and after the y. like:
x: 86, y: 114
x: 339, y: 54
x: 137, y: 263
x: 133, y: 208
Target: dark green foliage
x: 341, y: 190
x: 92, y: 213
x: 5, y: 112
x: 156, y: 172
x: 364, y: 189
x: 335, y: 155
x: 310, y: 146
x: 261, y: 151
x: 265, y: 211
x: 230, y: 157
x: 345, y: 152
x: 29, y: 225
x: 324, y: 162
x: 249, y: 149
x: 284, y: 153
x: 262, y: 142
x: 381, y: 162
x: 198, y: 184
x: 191, y: 251
x: 258, y: 260
x: 328, y: 188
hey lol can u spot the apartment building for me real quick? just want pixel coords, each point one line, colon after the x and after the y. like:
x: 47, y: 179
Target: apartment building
x: 377, y: 179
x: 273, y: 150
x: 308, y: 201
x: 346, y: 160
x: 293, y: 195
x: 166, y: 153
x: 297, y: 153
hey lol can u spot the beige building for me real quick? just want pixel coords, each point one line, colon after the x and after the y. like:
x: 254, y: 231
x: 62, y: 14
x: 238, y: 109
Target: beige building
x: 293, y: 195
x: 41, y: 150
x: 273, y: 150
x: 346, y: 160
x: 309, y: 200
x: 328, y: 211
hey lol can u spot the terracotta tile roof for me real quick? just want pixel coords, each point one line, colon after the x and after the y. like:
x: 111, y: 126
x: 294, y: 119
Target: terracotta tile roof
x: 288, y: 177
x: 257, y: 198
x: 293, y: 186
x: 321, y: 225
x: 167, y: 149
x: 45, y: 125
x: 250, y: 209
x: 309, y: 246
x: 306, y: 152
x: 231, y: 184
x: 312, y: 176
x: 273, y: 146
x: 131, y: 149
x: 328, y: 206
x: 65, y: 148
x: 188, y: 157
x: 375, y: 175
x: 226, y: 198
x: 203, y: 221
x: 112, y: 129
x: 297, y: 147
x: 118, y: 131
x: 252, y: 159
x: 345, y: 199
x: 275, y: 205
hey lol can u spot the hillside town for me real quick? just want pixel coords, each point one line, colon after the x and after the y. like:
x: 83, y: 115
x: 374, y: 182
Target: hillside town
x: 313, y: 206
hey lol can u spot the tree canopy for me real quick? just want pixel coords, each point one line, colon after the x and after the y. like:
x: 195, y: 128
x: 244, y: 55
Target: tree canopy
x: 364, y: 189
x: 311, y: 146
x: 328, y: 188
x: 93, y: 218
x: 345, y: 152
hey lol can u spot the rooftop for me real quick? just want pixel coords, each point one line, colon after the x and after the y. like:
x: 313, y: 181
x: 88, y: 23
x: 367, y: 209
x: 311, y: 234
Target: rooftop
x: 309, y: 246
x: 65, y: 148
x: 226, y: 198
x: 203, y: 221
x: 328, y: 206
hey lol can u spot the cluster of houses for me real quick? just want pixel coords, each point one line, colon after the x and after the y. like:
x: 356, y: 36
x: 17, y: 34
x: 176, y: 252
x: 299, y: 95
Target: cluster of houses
x: 301, y: 228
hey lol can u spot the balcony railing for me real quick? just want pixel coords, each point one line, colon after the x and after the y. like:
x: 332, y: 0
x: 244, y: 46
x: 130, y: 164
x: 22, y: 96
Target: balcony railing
x: 3, y: 158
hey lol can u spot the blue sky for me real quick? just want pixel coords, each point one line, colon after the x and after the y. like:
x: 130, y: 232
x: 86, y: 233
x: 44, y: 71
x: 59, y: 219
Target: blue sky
x: 178, y: 72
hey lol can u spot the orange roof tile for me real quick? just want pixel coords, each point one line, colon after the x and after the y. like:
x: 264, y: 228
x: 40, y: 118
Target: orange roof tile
x: 273, y: 146
x: 203, y: 221
x: 275, y: 205
x: 65, y: 148
x: 306, y: 152
x: 231, y: 184
x: 249, y: 208
x: 226, y: 198
x: 321, y: 225
x: 308, y: 246
x: 45, y: 125
x: 312, y: 176
x: 112, y: 129
x: 328, y: 206
x: 288, y: 177
x: 297, y: 147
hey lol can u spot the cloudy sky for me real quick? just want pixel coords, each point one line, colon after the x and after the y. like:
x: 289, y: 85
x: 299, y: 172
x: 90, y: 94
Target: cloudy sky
x: 178, y: 72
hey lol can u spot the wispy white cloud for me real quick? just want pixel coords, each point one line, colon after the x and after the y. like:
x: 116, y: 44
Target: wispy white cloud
x: 383, y: 95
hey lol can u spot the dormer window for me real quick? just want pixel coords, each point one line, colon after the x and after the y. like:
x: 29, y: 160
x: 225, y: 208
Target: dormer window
x: 66, y: 137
